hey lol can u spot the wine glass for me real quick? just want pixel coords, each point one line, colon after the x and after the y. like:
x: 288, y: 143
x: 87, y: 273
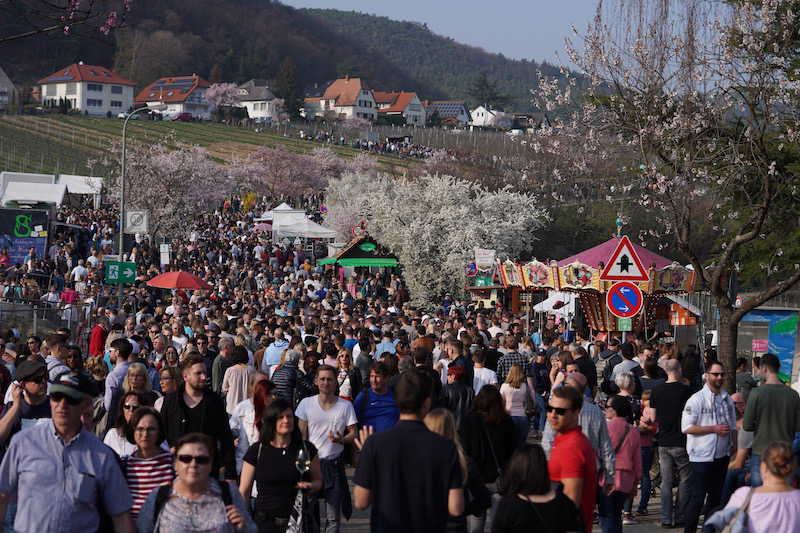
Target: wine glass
x: 303, y: 463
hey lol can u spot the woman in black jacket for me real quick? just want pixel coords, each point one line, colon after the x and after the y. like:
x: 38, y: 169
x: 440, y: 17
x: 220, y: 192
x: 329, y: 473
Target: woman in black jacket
x: 488, y: 436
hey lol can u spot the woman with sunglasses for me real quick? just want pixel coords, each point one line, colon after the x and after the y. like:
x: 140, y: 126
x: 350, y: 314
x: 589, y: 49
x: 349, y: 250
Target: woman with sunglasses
x: 348, y: 377
x: 150, y: 465
x: 116, y: 438
x: 275, y: 463
x: 194, y: 502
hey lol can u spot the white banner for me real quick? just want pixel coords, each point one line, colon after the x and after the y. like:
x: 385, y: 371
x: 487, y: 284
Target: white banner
x: 484, y: 259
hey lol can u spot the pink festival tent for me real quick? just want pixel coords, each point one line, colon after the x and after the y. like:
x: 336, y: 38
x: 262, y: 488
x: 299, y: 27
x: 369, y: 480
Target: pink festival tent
x: 602, y: 253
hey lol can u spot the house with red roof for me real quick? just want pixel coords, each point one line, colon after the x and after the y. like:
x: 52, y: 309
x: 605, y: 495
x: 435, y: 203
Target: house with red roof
x: 88, y: 88
x: 401, y: 104
x: 180, y: 94
x: 344, y: 98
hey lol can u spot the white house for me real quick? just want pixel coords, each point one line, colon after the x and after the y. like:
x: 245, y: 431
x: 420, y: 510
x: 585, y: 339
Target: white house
x: 95, y: 90
x: 405, y: 104
x: 180, y: 94
x: 485, y: 116
x: 261, y: 104
x: 345, y: 98
x: 450, y: 112
x: 8, y: 92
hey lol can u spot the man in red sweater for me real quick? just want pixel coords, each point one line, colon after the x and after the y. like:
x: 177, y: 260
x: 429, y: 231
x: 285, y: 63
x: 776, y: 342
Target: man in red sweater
x: 97, y: 338
x: 572, y: 459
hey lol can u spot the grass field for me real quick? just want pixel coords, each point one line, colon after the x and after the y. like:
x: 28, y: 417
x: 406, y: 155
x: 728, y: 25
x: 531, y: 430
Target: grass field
x: 65, y: 144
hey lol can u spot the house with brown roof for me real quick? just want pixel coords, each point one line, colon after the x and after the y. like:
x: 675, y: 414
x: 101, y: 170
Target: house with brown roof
x: 344, y: 98
x: 8, y: 92
x: 261, y: 104
x: 93, y: 89
x: 180, y: 94
x: 401, y: 104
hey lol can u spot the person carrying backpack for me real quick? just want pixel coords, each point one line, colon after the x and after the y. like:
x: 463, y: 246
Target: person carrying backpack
x: 195, y: 501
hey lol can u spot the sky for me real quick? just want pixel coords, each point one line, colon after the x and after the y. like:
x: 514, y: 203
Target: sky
x: 520, y: 29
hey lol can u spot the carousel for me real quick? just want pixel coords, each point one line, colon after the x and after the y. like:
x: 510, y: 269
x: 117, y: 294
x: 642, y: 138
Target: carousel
x: 661, y: 281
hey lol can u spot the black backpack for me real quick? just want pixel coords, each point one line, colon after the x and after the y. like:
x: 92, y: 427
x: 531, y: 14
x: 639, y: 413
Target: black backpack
x: 164, y: 492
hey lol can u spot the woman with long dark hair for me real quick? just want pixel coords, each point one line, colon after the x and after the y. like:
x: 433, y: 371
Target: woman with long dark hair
x: 117, y: 436
x: 245, y: 420
x: 489, y: 437
x: 529, y: 502
x: 281, y: 463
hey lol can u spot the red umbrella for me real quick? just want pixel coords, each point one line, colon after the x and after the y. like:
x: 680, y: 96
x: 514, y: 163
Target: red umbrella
x: 179, y: 280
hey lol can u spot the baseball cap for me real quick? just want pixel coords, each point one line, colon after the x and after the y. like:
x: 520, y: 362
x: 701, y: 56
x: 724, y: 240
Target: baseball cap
x: 29, y: 368
x: 76, y: 386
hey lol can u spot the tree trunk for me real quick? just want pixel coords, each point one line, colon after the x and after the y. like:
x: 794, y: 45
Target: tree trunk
x: 726, y: 349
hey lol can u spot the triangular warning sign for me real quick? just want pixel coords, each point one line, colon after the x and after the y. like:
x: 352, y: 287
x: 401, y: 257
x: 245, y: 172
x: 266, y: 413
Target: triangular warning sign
x: 624, y: 264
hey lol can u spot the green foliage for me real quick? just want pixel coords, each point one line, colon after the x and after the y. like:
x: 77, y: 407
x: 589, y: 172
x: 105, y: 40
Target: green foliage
x: 286, y: 86
x: 485, y: 92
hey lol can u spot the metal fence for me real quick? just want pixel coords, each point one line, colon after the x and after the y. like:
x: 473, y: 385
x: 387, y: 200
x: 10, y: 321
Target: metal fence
x: 36, y: 318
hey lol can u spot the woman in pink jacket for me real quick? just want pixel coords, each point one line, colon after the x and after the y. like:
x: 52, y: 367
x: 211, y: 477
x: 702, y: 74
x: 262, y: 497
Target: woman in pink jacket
x: 628, y: 464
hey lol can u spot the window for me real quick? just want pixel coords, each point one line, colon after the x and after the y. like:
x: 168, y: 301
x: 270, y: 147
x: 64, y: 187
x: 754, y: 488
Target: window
x: 116, y: 89
x: 116, y: 103
x: 71, y: 88
x: 96, y: 87
x: 50, y: 90
x: 91, y: 102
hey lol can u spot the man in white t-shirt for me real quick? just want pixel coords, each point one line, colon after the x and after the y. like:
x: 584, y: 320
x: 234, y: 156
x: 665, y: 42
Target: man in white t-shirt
x: 483, y: 375
x: 329, y: 423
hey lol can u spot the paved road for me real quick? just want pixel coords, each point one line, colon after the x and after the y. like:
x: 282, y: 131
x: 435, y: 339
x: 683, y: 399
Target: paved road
x: 648, y: 524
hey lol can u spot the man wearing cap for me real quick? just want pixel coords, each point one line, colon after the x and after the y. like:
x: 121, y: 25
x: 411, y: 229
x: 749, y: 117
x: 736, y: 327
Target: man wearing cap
x: 62, y: 474
x: 29, y: 400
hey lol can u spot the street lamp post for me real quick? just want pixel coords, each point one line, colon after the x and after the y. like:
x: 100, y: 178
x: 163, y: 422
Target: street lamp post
x: 122, y: 189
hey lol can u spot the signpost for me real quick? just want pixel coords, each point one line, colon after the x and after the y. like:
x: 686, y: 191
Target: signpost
x: 624, y: 324
x: 760, y: 345
x: 624, y: 264
x: 120, y: 272
x: 137, y: 221
x: 624, y: 299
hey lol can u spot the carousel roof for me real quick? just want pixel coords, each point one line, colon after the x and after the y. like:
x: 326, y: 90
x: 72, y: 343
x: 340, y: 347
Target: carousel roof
x: 602, y: 253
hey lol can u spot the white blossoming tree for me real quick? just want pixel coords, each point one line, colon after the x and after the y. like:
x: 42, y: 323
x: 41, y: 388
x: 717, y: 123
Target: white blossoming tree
x: 433, y: 223
x: 705, y: 97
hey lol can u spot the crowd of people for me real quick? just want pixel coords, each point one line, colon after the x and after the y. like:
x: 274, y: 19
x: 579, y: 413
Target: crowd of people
x: 241, y: 408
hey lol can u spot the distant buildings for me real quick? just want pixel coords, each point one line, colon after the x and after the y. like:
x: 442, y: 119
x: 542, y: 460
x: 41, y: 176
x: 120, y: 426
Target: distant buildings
x: 405, y: 105
x: 344, y: 98
x: 486, y: 117
x: 87, y: 88
x: 452, y: 113
x: 181, y: 94
x: 8, y: 92
x: 257, y: 98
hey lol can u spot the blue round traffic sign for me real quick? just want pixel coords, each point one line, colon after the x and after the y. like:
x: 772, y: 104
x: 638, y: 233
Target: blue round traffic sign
x: 624, y: 299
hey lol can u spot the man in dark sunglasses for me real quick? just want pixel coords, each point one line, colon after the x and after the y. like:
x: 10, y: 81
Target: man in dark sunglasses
x: 84, y: 469
x: 572, y: 460
x: 29, y: 400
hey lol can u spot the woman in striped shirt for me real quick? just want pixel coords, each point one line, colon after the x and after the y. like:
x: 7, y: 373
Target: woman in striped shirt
x: 150, y: 466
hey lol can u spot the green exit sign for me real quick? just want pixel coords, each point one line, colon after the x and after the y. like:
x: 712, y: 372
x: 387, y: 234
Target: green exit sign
x: 624, y: 324
x: 120, y: 272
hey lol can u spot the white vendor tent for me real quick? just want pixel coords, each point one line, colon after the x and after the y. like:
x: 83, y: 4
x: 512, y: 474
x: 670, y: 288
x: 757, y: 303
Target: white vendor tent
x: 81, y: 184
x: 559, y: 303
x: 269, y: 215
x: 24, y: 177
x: 31, y: 193
x: 307, y: 229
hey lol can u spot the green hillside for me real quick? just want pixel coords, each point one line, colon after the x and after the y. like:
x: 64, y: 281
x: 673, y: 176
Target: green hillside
x: 236, y: 40
x: 67, y: 144
x: 447, y: 66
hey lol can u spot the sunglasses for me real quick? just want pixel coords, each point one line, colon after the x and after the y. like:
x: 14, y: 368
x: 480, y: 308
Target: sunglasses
x: 560, y: 411
x: 199, y: 459
x: 130, y: 406
x: 716, y: 374
x: 58, y: 396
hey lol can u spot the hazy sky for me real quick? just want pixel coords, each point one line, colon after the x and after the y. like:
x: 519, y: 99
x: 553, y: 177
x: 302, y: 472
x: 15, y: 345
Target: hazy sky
x: 522, y: 29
